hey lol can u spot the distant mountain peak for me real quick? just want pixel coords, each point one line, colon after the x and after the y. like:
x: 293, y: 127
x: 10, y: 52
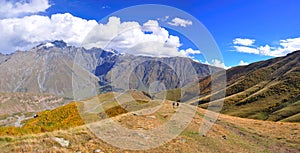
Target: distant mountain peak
x: 56, y: 43
x: 112, y: 51
x: 59, y: 43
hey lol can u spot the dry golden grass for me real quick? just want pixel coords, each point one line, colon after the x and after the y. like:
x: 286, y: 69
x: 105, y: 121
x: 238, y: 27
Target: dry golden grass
x: 229, y: 134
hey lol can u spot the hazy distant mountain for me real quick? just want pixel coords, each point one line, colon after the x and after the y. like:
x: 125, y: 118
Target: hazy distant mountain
x: 48, y: 68
x: 268, y: 90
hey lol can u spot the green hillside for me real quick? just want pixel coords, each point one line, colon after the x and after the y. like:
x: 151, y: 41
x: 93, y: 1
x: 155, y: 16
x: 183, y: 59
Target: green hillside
x: 266, y: 90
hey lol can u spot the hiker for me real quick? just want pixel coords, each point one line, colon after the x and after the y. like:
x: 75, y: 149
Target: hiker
x: 177, y: 104
x: 173, y: 103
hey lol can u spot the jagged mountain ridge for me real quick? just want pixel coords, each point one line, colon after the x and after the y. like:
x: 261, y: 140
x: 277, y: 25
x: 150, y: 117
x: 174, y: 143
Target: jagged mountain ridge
x: 48, y: 68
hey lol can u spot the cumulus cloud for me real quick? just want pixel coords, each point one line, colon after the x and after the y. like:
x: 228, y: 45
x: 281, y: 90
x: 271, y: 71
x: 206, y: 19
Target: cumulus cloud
x: 24, y: 33
x: 285, y: 46
x: 217, y: 63
x: 189, y: 52
x: 180, y: 22
x: 243, y: 63
x: 148, y: 39
x: 22, y: 7
x: 153, y: 48
x: 244, y: 42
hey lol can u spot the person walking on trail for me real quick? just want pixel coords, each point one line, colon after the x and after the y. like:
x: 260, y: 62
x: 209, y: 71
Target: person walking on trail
x: 177, y: 104
x: 173, y: 103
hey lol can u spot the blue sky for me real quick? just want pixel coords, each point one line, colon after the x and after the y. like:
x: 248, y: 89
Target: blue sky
x: 245, y: 31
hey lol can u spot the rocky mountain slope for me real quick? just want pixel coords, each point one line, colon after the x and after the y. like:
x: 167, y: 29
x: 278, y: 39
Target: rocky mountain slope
x: 3, y: 58
x: 50, y: 68
x: 44, y: 69
x: 266, y: 90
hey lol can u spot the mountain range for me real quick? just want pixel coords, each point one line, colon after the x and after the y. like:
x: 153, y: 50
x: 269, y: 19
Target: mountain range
x: 51, y: 66
x: 137, y: 92
x: 265, y: 90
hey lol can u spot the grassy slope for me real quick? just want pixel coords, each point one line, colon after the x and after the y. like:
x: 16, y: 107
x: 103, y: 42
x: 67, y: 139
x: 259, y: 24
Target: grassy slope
x: 266, y: 90
x: 68, y: 116
x: 60, y: 118
x: 242, y: 135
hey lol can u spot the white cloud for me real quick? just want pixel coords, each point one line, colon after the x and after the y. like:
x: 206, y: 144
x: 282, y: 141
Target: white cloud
x: 24, y: 33
x: 153, y: 48
x: 264, y: 50
x: 290, y: 44
x: 246, y: 49
x: 285, y: 46
x: 173, y: 41
x: 180, y: 22
x: 244, y: 42
x: 22, y: 7
x: 148, y: 39
x: 188, y: 52
x: 243, y: 63
x: 163, y: 19
x: 217, y: 63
